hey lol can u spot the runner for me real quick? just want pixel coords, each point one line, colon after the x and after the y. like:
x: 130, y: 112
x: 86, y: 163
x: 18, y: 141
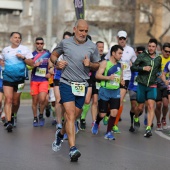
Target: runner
x: 110, y: 74
x: 15, y: 56
x: 162, y: 93
x: 79, y: 56
x: 128, y: 57
x: 39, y: 81
x: 148, y: 66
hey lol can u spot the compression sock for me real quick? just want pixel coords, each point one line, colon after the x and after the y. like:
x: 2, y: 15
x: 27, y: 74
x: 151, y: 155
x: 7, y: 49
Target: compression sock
x: 85, y: 111
x: 110, y: 123
x: 118, y: 115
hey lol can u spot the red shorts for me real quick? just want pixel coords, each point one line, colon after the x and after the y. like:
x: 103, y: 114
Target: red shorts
x: 38, y: 87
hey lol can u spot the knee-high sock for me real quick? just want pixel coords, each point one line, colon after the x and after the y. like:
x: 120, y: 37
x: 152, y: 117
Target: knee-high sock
x: 131, y: 117
x: 110, y: 123
x: 118, y: 115
x: 98, y: 119
x: 85, y: 110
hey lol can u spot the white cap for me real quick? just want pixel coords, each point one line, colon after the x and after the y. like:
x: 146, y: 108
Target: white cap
x: 122, y: 34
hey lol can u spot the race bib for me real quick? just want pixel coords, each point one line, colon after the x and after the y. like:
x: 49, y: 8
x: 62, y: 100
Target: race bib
x: 116, y: 80
x: 78, y: 89
x: 20, y: 87
x: 97, y: 85
x: 135, y: 82
x: 125, y: 65
x: 41, y: 72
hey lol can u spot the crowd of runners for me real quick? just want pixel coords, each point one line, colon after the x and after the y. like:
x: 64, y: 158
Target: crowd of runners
x: 77, y: 76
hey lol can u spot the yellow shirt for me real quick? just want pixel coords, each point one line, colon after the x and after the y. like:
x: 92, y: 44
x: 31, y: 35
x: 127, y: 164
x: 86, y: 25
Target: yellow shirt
x: 164, y: 61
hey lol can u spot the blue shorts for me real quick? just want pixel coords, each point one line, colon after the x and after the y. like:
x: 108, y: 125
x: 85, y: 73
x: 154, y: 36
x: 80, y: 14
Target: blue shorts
x: 144, y: 93
x: 107, y: 94
x: 67, y: 95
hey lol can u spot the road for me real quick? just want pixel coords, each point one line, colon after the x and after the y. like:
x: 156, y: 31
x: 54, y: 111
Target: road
x: 29, y: 148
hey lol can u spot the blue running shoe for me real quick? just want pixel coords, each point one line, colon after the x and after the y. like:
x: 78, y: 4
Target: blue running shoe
x: 41, y: 121
x: 54, y: 122
x: 35, y: 122
x: 95, y: 128
x: 65, y: 136
x: 109, y: 135
x: 74, y: 154
x: 56, y: 145
x: 145, y: 122
x: 76, y: 126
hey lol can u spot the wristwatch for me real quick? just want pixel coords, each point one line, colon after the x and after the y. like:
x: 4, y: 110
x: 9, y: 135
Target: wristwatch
x: 24, y: 58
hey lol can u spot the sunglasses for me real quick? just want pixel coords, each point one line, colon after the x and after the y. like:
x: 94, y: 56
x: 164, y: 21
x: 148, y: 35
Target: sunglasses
x: 122, y: 38
x: 167, y: 51
x: 39, y: 43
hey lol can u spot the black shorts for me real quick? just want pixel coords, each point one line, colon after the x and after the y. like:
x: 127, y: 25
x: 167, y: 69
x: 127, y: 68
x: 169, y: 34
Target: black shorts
x: 13, y: 84
x: 126, y: 85
x: 161, y: 93
x: 90, y: 82
x: 94, y: 90
x: 114, y: 103
x: 56, y: 82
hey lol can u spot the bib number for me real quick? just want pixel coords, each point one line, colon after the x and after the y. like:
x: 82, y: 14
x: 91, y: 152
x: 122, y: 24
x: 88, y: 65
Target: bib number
x: 78, y: 89
x: 125, y: 65
x: 20, y: 87
x: 97, y: 85
x: 116, y: 81
x: 135, y: 82
x: 41, y: 72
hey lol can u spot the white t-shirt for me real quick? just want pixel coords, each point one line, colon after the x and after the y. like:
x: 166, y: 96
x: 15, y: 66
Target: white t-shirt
x: 15, y: 67
x: 128, y: 57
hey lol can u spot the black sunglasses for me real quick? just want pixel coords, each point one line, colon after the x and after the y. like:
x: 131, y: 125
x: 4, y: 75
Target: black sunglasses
x: 122, y: 38
x: 39, y: 43
x: 167, y: 51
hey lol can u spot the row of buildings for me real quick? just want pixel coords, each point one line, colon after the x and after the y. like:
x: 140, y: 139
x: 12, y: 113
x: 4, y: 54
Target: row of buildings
x: 142, y: 19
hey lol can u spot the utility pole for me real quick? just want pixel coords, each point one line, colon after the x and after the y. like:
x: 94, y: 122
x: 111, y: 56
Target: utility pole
x: 49, y: 24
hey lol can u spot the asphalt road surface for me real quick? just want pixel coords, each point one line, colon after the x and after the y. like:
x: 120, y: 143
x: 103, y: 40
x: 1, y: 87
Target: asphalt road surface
x: 29, y: 148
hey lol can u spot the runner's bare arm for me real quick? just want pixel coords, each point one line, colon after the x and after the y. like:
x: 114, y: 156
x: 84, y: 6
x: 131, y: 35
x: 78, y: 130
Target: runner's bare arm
x: 54, y: 57
x: 100, y: 71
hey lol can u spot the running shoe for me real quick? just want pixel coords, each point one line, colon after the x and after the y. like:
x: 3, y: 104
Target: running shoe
x: 41, y: 121
x: 77, y: 126
x: 14, y: 120
x: 145, y: 120
x: 148, y: 133
x: 82, y: 124
x: 56, y: 145
x: 131, y: 129
x: 74, y: 154
x: 95, y: 128
x: 9, y: 127
x: 158, y: 128
x: 54, y: 122
x: 136, y: 123
x: 164, y: 125
x: 109, y: 136
x: 35, y: 122
x: 115, y: 129
x: 65, y: 137
x: 105, y: 120
x: 3, y: 117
